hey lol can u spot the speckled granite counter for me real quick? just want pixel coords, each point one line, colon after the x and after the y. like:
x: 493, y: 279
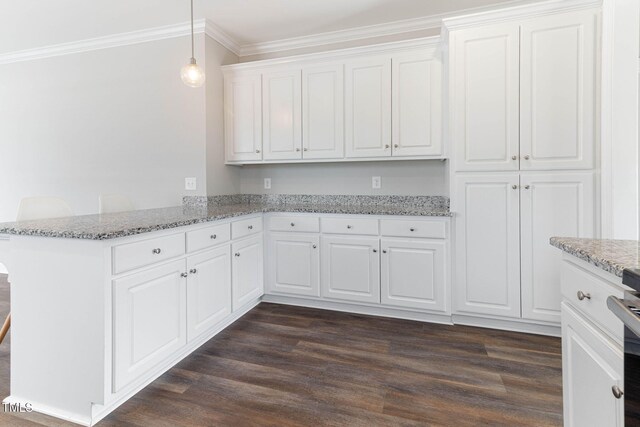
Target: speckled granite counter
x: 111, y: 226
x: 612, y: 256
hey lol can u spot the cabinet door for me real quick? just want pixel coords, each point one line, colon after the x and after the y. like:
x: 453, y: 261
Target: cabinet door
x: 323, y: 112
x: 557, y: 93
x: 484, y: 98
x: 281, y: 108
x: 351, y: 268
x: 591, y: 366
x: 551, y: 205
x: 242, y: 118
x: 247, y: 271
x: 368, y: 107
x: 417, y: 104
x: 149, y: 315
x: 413, y: 274
x: 208, y: 290
x: 294, y: 264
x: 487, y: 259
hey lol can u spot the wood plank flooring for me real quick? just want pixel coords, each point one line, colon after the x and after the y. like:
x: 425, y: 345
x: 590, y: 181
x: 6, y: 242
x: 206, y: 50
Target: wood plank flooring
x: 289, y: 366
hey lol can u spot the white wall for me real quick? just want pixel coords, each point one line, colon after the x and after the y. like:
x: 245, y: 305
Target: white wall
x: 416, y: 177
x: 115, y: 120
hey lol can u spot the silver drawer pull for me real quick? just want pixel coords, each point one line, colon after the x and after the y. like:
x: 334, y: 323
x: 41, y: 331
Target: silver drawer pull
x: 384, y: 251
x: 582, y: 295
x: 183, y: 275
x: 213, y: 236
x: 514, y: 157
x: 412, y: 229
x: 251, y: 227
x: 375, y: 251
x: 292, y: 224
x: 616, y: 392
x: 349, y: 227
x: 193, y: 271
x: 237, y: 254
x: 156, y: 251
x: 314, y: 246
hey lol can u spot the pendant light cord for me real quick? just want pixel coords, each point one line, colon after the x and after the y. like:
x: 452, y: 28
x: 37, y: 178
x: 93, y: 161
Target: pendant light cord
x: 192, y: 42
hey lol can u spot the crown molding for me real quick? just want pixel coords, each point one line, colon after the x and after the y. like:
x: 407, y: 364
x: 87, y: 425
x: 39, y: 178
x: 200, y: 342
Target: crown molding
x: 516, y: 11
x: 123, y: 39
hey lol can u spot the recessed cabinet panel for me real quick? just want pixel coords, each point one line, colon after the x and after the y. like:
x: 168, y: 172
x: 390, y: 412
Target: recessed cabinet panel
x: 281, y: 106
x: 557, y: 101
x: 484, y: 98
x: 487, y: 279
x: 368, y: 107
x: 294, y: 264
x: 149, y: 312
x: 416, y: 103
x: 351, y: 268
x: 323, y: 111
x: 243, y: 118
x: 413, y: 274
x: 247, y: 271
x: 208, y: 290
x: 551, y: 205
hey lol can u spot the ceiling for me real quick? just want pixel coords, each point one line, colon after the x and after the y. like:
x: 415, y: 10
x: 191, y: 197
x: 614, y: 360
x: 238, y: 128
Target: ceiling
x: 29, y: 24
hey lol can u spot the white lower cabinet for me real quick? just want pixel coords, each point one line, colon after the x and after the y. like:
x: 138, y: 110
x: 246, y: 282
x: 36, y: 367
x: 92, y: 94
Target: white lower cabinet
x: 247, y: 271
x: 351, y: 268
x: 149, y: 320
x: 591, y: 366
x: 413, y: 274
x: 294, y: 264
x: 208, y: 290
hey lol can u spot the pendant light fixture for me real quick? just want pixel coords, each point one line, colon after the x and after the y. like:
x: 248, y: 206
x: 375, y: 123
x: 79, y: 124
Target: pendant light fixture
x: 191, y: 74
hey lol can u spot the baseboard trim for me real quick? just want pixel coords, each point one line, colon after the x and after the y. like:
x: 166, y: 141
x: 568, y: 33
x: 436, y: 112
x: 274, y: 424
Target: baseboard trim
x: 507, y: 325
x: 359, y: 309
x: 49, y: 410
x: 101, y: 411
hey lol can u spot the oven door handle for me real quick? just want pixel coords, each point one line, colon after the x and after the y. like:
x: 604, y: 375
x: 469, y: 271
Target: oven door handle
x: 622, y: 312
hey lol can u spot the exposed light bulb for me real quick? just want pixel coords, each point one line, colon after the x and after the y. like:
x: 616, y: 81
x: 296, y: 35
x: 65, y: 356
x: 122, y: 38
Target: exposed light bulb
x: 192, y: 75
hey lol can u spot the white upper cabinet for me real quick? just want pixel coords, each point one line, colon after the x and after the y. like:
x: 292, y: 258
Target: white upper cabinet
x: 417, y: 104
x: 368, y: 107
x: 559, y: 204
x: 323, y: 111
x: 557, y: 91
x: 243, y: 117
x: 484, y: 98
x: 281, y: 108
x: 487, y: 275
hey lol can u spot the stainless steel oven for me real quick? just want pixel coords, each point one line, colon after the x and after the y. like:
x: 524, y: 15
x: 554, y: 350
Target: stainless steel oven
x: 628, y: 311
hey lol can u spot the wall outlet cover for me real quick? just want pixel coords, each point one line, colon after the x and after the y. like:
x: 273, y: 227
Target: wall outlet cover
x: 376, y: 182
x: 190, y: 184
x: 267, y: 183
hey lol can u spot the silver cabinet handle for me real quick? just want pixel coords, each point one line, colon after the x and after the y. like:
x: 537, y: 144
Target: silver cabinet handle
x: 315, y: 246
x: 526, y: 187
x: 193, y: 271
x: 251, y: 227
x: 526, y: 157
x: 213, y: 236
x: 297, y: 150
x: 396, y: 146
x: 616, y: 392
x: 384, y: 251
x: 515, y: 187
x: 292, y: 224
x: 514, y: 157
x: 156, y: 251
x: 412, y: 229
x: 582, y: 295
x: 349, y: 227
x: 237, y: 254
x: 183, y: 275
x: 375, y: 251
x: 304, y: 149
x: 387, y: 146
x: 257, y: 151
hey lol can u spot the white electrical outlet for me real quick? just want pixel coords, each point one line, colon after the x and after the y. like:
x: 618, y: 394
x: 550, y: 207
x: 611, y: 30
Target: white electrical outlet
x: 190, y: 184
x: 267, y: 183
x: 376, y: 182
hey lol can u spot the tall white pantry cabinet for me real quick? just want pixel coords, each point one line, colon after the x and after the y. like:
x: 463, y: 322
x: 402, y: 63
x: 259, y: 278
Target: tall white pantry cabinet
x: 522, y: 129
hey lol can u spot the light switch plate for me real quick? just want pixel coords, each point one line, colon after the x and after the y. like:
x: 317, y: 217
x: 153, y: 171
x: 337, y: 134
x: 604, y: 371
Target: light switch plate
x: 190, y: 184
x: 376, y: 182
x: 267, y: 183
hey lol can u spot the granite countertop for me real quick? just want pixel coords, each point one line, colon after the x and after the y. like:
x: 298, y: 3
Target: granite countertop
x: 612, y: 256
x: 111, y: 226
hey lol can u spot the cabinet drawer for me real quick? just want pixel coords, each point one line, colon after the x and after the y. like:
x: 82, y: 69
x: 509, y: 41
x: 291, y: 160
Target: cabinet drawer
x: 594, y: 308
x: 208, y: 237
x: 295, y: 223
x: 246, y: 227
x: 139, y: 254
x: 350, y: 226
x: 409, y: 228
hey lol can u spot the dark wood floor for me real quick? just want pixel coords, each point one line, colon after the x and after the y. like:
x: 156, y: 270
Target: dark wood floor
x: 287, y: 366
